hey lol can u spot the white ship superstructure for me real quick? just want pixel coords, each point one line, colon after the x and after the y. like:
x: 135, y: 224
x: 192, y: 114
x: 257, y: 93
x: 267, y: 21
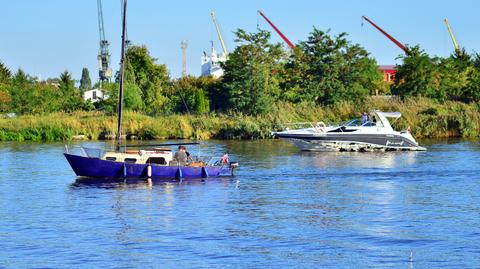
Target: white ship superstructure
x: 211, y: 63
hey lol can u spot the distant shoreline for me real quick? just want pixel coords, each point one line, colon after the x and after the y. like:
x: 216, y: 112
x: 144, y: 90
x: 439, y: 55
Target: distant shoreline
x: 427, y: 119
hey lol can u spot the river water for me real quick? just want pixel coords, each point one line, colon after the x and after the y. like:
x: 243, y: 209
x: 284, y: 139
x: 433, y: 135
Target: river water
x: 284, y: 209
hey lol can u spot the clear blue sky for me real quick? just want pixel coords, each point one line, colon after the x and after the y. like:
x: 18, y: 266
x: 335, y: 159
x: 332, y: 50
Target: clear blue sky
x: 45, y: 37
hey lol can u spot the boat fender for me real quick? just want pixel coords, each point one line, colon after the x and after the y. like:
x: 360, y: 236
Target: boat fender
x: 124, y: 170
x: 204, y: 172
x: 149, y: 171
x: 320, y: 127
x: 179, y: 174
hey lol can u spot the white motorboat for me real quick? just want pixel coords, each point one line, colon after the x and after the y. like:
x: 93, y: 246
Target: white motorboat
x: 372, y: 134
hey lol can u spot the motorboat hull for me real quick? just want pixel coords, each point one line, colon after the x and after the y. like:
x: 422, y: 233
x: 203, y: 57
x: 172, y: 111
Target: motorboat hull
x: 351, y: 142
x: 356, y: 135
x: 98, y: 168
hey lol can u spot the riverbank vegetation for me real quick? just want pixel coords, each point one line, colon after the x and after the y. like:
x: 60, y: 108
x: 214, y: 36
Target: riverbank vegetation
x: 427, y: 118
x: 325, y: 78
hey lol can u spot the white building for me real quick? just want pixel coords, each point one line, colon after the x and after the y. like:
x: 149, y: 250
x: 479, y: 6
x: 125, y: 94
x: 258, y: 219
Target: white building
x: 94, y: 95
x: 211, y: 64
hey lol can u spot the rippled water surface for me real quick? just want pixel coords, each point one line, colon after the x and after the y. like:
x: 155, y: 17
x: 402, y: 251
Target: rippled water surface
x: 284, y: 209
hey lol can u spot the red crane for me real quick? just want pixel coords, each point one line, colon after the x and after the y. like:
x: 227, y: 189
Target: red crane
x: 290, y: 44
x: 400, y: 45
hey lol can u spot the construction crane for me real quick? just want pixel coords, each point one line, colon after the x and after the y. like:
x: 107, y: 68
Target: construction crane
x: 400, y: 45
x: 105, y: 73
x: 220, y: 37
x: 455, y: 44
x: 290, y: 44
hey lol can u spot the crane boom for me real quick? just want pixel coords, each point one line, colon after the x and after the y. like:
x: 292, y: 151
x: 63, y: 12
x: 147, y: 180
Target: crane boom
x: 224, y: 48
x: 100, y: 20
x: 290, y: 44
x: 455, y: 44
x: 400, y: 45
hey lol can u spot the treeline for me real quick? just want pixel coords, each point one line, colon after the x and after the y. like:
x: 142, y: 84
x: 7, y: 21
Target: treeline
x: 323, y: 70
x: 453, y: 78
x: 24, y: 94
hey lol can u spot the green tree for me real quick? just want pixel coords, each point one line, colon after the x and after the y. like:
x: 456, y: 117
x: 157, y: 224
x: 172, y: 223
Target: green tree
x: 21, y: 93
x: 325, y: 70
x: 71, y: 96
x: 201, y: 102
x: 85, y: 81
x: 5, y: 79
x: 142, y: 70
x: 419, y: 75
x: 132, y: 97
x: 5, y: 99
x: 455, y: 76
x: 190, y: 94
x: 31, y: 97
x: 251, y: 74
x: 5, y: 74
x: 21, y: 77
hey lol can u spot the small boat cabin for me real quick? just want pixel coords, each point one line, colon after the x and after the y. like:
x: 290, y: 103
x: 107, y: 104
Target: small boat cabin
x: 157, y: 156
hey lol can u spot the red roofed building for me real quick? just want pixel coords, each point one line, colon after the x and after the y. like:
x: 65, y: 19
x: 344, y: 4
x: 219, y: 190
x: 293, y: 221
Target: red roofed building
x: 388, y: 72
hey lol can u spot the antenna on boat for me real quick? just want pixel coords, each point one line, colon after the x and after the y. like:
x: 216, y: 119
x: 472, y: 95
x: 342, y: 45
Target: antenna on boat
x: 120, y: 90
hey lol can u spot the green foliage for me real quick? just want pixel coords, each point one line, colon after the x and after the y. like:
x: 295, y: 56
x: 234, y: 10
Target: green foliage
x: 452, y: 78
x: 427, y: 118
x: 5, y: 74
x: 201, y: 102
x: 328, y: 70
x: 151, y: 78
x: 418, y: 76
x: 132, y: 97
x: 25, y: 95
x: 71, y: 97
x: 21, y: 78
x: 85, y: 81
x: 190, y: 94
x: 5, y: 99
x: 35, y: 98
x: 251, y: 73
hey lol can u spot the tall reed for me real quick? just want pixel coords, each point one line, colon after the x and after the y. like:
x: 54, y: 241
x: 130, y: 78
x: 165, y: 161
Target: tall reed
x: 426, y: 117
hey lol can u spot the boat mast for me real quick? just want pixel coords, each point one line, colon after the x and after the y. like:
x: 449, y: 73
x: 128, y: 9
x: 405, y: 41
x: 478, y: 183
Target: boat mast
x: 120, y: 90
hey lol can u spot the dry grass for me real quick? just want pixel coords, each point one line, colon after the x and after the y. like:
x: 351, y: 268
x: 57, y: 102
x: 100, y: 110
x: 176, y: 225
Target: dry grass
x: 426, y: 117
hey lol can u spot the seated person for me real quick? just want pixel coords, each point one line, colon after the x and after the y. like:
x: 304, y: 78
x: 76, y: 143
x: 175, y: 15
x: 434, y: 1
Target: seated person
x: 181, y: 155
x: 225, y: 158
x: 189, y: 157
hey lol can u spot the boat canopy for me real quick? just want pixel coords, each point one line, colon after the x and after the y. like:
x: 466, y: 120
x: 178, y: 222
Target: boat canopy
x: 390, y: 114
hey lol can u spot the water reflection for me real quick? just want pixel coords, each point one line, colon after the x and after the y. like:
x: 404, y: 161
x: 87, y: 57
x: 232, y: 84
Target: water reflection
x: 355, y: 160
x: 85, y: 182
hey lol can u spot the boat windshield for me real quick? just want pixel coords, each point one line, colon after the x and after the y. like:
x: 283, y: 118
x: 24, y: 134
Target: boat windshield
x: 369, y: 124
x: 355, y: 122
x: 358, y: 122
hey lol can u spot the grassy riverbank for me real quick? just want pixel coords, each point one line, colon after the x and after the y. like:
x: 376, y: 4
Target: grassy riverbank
x: 426, y: 117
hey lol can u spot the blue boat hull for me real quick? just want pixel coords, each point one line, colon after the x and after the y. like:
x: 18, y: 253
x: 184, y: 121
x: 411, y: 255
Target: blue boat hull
x: 98, y: 168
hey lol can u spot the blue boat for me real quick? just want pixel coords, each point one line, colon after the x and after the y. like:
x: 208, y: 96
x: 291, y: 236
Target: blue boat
x: 157, y: 161
x: 144, y: 164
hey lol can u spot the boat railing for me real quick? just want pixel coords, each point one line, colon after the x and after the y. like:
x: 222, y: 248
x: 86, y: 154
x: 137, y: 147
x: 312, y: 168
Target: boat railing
x: 214, y: 161
x: 307, y: 124
x: 298, y: 125
x: 84, y: 151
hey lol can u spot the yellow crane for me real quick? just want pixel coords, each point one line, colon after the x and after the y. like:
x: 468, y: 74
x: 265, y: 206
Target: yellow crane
x: 457, y: 49
x: 225, y: 52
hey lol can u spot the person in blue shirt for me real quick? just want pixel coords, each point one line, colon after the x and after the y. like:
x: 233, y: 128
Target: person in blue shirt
x: 364, y: 118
